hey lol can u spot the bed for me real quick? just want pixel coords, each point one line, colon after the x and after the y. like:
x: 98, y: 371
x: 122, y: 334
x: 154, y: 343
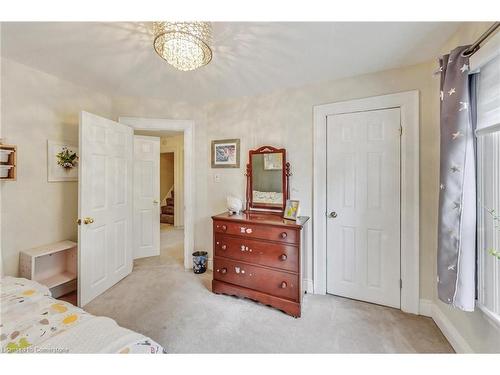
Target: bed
x: 267, y: 197
x: 34, y: 322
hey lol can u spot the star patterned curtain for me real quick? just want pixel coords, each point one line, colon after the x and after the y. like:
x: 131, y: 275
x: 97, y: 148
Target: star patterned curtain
x: 457, y: 199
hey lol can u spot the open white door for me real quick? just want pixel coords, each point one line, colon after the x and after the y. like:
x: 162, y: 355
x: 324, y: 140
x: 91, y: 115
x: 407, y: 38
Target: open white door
x: 105, y: 205
x: 146, y: 196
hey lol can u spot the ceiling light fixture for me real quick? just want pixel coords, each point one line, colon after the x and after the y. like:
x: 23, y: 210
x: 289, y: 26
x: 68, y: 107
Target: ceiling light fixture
x: 183, y: 44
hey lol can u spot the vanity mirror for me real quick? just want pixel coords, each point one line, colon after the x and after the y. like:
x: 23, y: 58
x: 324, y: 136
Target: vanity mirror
x: 267, y: 179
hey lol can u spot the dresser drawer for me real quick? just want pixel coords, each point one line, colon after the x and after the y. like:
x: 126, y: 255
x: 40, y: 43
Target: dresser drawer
x: 266, y: 232
x: 277, y: 283
x: 254, y: 251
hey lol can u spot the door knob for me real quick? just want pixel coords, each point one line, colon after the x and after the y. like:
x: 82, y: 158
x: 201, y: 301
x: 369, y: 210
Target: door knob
x: 155, y: 202
x: 86, y: 220
x: 332, y: 215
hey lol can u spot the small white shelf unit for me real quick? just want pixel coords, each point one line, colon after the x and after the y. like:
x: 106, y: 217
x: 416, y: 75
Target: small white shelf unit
x: 54, y: 265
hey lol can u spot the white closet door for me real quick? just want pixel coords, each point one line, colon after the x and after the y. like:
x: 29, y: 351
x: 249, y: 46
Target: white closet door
x: 104, y: 205
x: 146, y: 196
x: 363, y: 203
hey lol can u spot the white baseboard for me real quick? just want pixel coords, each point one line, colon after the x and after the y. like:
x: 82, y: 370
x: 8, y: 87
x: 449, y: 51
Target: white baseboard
x: 456, y: 340
x: 308, y: 285
x: 425, y: 307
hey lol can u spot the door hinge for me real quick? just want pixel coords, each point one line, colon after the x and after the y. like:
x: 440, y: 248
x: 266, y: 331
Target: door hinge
x: 400, y: 283
x: 401, y: 130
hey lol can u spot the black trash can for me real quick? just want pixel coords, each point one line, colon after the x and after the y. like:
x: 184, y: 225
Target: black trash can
x: 200, y: 259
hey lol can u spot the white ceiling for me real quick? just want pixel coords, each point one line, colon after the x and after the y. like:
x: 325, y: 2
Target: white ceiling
x: 249, y: 58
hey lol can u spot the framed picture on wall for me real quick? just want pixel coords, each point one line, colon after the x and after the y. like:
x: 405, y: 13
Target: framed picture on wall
x: 62, y: 161
x: 226, y: 153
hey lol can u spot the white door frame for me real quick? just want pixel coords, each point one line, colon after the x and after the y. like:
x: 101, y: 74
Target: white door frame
x: 187, y: 127
x: 408, y: 102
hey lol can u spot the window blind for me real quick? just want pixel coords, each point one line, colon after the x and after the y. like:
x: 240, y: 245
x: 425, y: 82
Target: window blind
x: 488, y: 97
x: 488, y: 188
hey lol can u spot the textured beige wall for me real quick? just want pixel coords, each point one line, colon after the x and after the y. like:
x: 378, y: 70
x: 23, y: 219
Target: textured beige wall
x: 166, y: 173
x: 36, y: 107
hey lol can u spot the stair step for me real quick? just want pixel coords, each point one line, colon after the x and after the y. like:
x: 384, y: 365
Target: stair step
x: 170, y: 201
x: 168, y: 210
x: 168, y: 219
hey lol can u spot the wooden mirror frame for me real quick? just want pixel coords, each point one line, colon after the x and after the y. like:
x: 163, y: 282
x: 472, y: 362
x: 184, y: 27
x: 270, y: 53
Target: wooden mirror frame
x: 285, y: 171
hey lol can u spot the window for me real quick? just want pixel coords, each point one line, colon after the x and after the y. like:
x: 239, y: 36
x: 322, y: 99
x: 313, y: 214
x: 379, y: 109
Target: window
x: 488, y: 179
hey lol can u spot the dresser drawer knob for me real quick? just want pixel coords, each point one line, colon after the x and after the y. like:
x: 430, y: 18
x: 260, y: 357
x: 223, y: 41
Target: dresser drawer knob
x: 284, y: 285
x: 223, y: 270
x: 223, y: 247
x: 283, y: 235
x: 283, y: 257
x: 224, y: 227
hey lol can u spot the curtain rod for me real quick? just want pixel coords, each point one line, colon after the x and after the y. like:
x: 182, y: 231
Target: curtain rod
x: 474, y: 47
x: 477, y: 44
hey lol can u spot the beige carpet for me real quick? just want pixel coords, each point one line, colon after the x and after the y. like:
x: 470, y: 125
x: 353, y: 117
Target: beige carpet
x: 177, y: 309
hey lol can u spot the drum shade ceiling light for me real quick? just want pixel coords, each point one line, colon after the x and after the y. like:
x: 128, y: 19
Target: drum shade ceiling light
x: 183, y: 45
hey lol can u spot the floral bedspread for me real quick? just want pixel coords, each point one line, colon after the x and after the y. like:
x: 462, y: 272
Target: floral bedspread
x: 31, y: 321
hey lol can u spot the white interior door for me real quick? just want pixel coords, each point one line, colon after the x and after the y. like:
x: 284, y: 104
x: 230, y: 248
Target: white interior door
x: 146, y: 196
x: 363, y: 206
x: 104, y: 205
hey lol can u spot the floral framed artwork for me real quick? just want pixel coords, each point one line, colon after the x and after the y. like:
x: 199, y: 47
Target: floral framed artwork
x: 62, y: 161
x: 291, y: 210
x: 226, y: 153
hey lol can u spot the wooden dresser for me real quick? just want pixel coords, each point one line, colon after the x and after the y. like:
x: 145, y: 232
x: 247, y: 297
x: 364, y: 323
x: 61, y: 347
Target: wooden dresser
x: 259, y: 256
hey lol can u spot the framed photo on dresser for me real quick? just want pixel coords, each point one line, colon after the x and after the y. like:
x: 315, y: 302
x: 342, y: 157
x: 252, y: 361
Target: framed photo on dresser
x: 291, y: 210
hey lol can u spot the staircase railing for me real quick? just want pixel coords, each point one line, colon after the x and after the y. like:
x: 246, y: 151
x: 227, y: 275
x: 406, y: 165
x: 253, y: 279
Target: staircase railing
x: 169, y: 195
